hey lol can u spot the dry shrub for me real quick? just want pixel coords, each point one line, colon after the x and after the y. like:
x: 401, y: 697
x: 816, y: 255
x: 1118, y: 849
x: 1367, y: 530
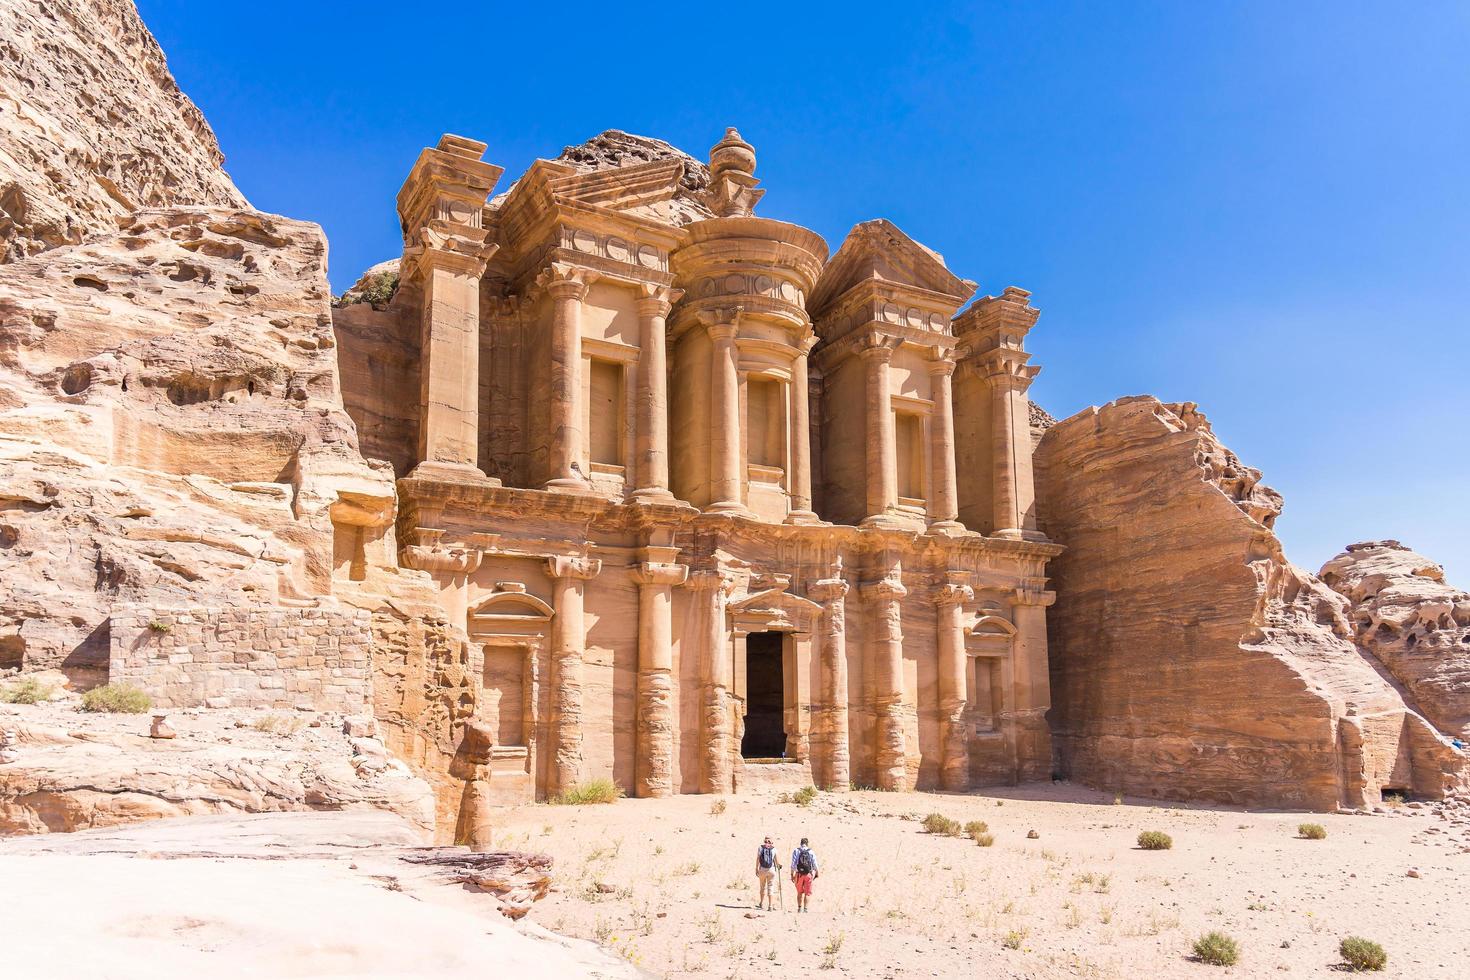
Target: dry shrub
x: 279, y: 724
x: 592, y: 791
x: 122, y: 699
x: 1155, y: 840
x: 1362, y: 954
x: 27, y: 690
x: 1216, y: 949
x: 1312, y: 831
x: 717, y: 807
x: 942, y: 826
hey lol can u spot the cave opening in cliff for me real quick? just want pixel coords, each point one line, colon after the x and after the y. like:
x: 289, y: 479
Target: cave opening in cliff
x: 765, y: 691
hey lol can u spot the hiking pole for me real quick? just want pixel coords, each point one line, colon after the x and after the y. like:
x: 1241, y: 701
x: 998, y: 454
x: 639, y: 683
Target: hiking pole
x: 781, y: 884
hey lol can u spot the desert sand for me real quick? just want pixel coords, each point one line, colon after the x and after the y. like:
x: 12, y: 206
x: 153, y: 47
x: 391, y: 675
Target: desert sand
x: 669, y: 885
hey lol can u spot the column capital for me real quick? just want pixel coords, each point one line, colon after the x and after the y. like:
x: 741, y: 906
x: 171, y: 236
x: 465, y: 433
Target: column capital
x: 941, y: 366
x: 1030, y: 595
x: 884, y: 588
x: 722, y: 324
x: 877, y: 347
x: 563, y: 280
x: 558, y: 566
x: 710, y: 579
x: 660, y: 573
x: 432, y: 558
x: 953, y: 594
x: 827, y: 589
x: 656, y: 300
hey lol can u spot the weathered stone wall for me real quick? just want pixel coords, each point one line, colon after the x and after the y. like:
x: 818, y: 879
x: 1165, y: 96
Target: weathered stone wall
x: 1189, y: 659
x: 245, y: 657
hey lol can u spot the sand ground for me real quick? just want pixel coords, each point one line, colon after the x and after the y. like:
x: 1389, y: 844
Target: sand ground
x: 670, y: 886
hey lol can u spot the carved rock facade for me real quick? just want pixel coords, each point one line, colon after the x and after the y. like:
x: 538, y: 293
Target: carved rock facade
x: 710, y: 507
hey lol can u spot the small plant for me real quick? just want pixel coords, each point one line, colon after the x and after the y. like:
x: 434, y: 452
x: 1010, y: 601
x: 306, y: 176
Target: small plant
x: 279, y: 724
x: 1216, y: 949
x: 1013, y: 939
x: 593, y: 791
x: 1362, y: 954
x: 984, y: 840
x: 123, y: 699
x: 803, y: 796
x: 1155, y: 840
x: 941, y: 826
x: 1117, y: 799
x: 692, y: 868
x: 834, y: 943
x: 602, y: 931
x: 27, y: 690
x: 717, y: 807
x: 1312, y: 831
x: 160, y: 628
x: 1393, y: 798
x: 376, y: 290
x: 975, y: 828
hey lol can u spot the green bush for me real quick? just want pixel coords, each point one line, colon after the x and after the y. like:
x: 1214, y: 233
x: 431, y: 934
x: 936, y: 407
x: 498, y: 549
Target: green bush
x: 27, y: 690
x: 1362, y: 954
x: 1155, y: 840
x: 1312, y: 831
x: 939, y: 824
x: 122, y: 699
x: 592, y: 791
x: 804, y: 796
x: 1216, y: 949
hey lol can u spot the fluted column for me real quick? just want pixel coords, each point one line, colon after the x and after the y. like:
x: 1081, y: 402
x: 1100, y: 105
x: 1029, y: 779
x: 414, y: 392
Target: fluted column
x: 944, y: 492
x: 954, y: 772
x: 716, y: 732
x: 725, y: 425
x: 568, y: 643
x: 654, y: 766
x: 832, y: 728
x: 567, y: 287
x: 801, y: 437
x: 652, y: 440
x: 886, y: 659
x: 882, y: 451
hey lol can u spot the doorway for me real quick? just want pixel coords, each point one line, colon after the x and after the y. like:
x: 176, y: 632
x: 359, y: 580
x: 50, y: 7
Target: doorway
x: 765, y: 697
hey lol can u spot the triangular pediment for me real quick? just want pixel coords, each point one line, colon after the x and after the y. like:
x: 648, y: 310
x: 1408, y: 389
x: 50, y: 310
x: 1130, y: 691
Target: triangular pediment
x: 621, y: 188
x: 877, y: 251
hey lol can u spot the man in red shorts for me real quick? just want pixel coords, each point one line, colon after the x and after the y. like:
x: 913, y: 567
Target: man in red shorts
x: 803, y: 873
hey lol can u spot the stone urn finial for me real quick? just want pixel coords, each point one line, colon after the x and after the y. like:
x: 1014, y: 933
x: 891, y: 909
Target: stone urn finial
x: 732, y: 177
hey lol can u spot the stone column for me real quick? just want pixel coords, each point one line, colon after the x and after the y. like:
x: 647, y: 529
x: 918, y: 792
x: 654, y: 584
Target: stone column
x: 832, y: 711
x: 725, y: 474
x: 654, y: 754
x: 445, y: 249
x: 944, y: 495
x: 882, y: 451
x: 886, y: 643
x: 1031, y: 688
x: 801, y: 438
x: 652, y: 440
x: 568, y: 642
x: 716, y: 731
x: 954, y: 771
x: 1005, y: 493
x: 567, y: 287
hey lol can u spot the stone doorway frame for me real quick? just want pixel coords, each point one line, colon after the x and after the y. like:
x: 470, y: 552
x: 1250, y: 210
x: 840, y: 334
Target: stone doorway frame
x: 991, y: 638
x: 773, y: 610
x: 512, y: 618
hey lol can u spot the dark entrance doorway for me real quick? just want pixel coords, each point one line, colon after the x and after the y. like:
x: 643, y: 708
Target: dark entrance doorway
x: 765, y: 698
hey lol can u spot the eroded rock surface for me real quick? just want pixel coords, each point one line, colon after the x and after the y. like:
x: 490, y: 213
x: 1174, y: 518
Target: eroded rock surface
x: 1404, y: 613
x: 1189, y: 658
x: 94, y: 126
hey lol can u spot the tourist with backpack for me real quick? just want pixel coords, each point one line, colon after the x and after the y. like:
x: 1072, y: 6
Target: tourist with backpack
x: 766, y: 867
x: 803, y: 873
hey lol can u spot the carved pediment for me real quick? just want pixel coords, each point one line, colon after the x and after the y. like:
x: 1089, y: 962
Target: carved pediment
x: 621, y: 188
x: 774, y: 609
x: 878, y: 253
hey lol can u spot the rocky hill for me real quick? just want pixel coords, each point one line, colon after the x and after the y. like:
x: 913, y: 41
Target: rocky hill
x: 94, y: 126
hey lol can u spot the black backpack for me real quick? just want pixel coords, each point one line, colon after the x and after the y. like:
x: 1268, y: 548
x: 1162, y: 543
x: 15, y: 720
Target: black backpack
x: 766, y: 856
x: 805, y: 865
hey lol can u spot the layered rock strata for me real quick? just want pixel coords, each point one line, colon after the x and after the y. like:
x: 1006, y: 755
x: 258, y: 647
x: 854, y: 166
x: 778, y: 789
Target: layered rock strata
x: 1189, y: 659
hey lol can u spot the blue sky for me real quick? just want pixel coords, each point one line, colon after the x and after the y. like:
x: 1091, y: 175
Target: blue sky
x: 1260, y: 207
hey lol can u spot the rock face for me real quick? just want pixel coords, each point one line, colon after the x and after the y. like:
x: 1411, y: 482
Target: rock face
x: 94, y: 126
x: 77, y: 771
x: 1406, y: 616
x: 1188, y: 658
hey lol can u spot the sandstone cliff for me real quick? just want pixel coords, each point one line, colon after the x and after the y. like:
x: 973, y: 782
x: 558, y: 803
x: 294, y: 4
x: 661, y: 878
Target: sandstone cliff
x: 93, y: 126
x: 1189, y: 659
x: 1405, y: 615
